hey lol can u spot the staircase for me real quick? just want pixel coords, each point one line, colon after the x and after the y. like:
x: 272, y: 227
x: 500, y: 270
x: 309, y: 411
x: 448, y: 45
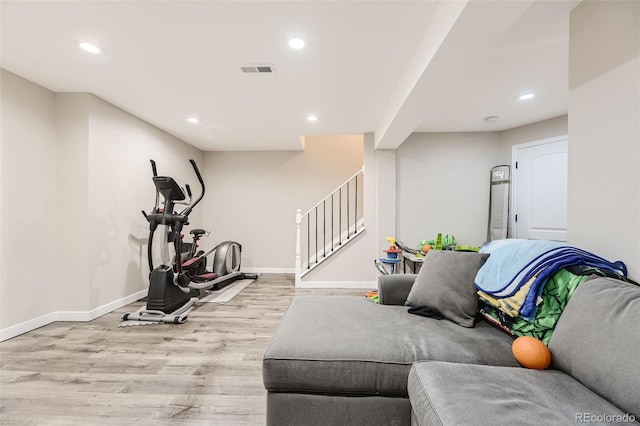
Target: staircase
x: 329, y: 225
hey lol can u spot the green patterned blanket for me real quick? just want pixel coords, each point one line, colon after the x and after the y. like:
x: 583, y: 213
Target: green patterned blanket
x: 555, y: 295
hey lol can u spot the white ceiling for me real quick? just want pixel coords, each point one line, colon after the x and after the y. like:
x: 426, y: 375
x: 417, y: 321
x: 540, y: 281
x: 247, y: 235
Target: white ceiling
x: 389, y: 67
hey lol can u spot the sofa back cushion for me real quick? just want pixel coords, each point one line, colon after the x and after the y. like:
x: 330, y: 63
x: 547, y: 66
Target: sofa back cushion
x: 597, y: 341
x: 446, y: 283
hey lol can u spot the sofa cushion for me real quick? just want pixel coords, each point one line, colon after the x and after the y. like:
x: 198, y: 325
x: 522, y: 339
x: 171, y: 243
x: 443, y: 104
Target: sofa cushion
x: 349, y: 345
x: 446, y: 282
x: 597, y: 340
x: 443, y: 393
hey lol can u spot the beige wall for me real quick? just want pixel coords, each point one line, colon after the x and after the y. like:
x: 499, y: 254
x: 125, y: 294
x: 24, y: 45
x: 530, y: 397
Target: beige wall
x: 252, y: 197
x: 28, y: 203
x: 604, y: 130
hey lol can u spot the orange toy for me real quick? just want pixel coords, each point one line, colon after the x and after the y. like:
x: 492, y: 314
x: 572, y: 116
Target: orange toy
x: 531, y: 352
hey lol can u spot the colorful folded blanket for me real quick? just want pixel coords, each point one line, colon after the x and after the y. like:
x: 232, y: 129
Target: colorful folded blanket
x: 516, y: 263
x: 555, y: 296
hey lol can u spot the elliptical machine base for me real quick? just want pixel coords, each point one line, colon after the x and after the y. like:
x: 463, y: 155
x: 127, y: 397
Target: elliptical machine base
x: 145, y: 316
x: 166, y: 302
x: 163, y: 295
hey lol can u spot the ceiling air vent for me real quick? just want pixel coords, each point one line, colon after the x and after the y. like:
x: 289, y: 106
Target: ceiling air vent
x: 257, y: 69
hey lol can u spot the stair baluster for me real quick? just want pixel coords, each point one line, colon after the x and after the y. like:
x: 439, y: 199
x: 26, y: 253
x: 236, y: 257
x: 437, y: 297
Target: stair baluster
x: 321, y: 247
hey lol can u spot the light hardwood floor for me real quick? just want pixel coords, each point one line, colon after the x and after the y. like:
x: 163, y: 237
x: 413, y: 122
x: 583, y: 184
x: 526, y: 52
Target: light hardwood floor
x: 204, y: 372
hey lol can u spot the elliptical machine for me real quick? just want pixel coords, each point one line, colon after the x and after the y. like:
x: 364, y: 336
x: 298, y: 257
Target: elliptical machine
x: 175, y: 286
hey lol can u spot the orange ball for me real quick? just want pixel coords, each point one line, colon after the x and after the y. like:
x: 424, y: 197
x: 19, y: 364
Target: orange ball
x: 531, y: 352
x: 426, y: 248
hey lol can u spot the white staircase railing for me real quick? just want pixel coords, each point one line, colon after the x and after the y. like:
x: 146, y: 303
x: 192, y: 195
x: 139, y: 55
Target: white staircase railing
x: 329, y: 225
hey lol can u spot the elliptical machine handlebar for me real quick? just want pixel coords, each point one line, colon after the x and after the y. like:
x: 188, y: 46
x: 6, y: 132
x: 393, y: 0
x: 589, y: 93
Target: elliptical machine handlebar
x: 172, y: 194
x: 155, y: 173
x: 191, y: 204
x: 190, y: 207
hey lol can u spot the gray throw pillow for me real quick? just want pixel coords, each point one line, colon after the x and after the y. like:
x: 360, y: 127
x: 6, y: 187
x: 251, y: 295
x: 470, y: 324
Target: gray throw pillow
x: 446, y: 282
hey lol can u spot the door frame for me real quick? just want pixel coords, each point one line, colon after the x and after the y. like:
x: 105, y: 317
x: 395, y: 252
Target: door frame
x: 514, y: 175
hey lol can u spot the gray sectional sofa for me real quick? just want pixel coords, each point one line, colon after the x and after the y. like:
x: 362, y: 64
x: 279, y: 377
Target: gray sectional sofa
x: 347, y: 361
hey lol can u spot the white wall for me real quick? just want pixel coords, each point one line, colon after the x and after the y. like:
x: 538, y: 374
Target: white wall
x: 75, y: 175
x: 532, y: 132
x: 443, y: 186
x: 386, y: 191
x: 72, y: 201
x: 120, y: 147
x: 28, y: 200
x: 545, y: 129
x: 443, y: 179
x: 604, y: 130
x: 252, y: 197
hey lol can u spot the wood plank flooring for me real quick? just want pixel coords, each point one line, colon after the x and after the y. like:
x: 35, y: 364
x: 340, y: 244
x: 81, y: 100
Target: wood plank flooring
x: 204, y: 372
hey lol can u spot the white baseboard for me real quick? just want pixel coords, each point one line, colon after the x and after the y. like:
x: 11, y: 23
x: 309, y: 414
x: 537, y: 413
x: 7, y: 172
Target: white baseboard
x: 83, y: 316
x: 339, y: 284
x: 80, y: 316
x: 268, y: 270
x: 18, y: 329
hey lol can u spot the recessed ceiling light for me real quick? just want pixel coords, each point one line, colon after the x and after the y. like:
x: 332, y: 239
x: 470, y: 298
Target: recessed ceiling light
x: 491, y: 119
x: 312, y: 118
x: 90, y: 47
x: 527, y: 96
x: 296, y: 43
x: 193, y: 120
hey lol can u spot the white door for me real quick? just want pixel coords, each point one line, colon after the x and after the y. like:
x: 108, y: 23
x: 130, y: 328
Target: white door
x: 540, y: 189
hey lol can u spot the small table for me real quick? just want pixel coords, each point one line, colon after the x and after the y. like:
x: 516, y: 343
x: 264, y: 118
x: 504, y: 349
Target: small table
x: 414, y: 262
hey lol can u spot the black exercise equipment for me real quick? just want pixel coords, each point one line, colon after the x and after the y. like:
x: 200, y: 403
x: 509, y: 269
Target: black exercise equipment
x: 176, y: 284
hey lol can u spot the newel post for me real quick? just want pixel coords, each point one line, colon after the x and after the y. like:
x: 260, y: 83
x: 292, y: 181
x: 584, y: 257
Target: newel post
x: 298, y: 258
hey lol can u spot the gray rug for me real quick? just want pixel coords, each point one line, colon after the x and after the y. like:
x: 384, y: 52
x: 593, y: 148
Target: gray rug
x: 226, y: 293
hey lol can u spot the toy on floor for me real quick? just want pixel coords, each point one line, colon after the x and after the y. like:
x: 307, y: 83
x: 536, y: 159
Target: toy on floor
x: 373, y: 295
